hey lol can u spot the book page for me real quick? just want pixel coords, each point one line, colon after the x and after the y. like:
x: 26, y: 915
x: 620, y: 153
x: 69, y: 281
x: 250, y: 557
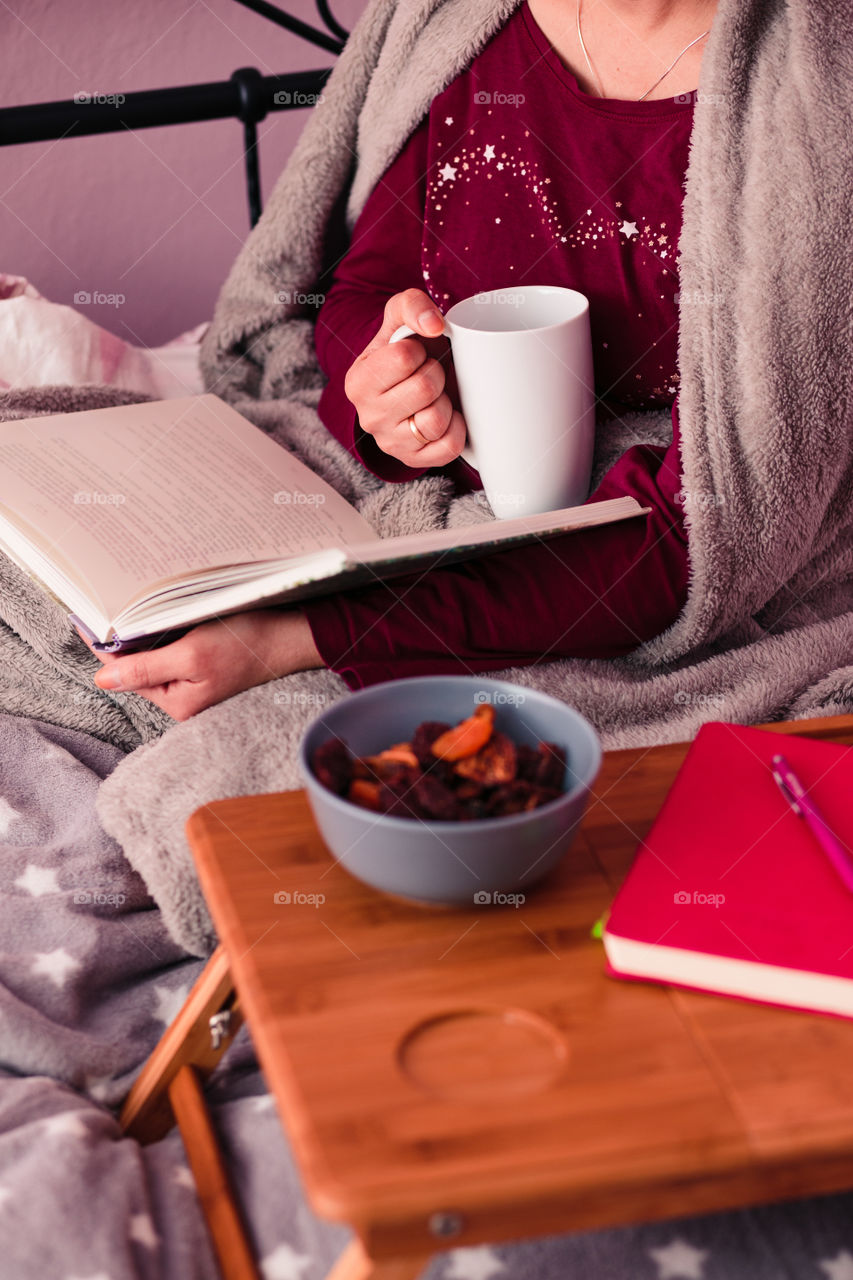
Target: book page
x: 137, y: 494
x: 497, y: 532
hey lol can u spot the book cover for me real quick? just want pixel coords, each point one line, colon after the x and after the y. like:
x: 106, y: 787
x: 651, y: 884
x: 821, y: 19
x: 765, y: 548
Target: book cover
x: 730, y: 891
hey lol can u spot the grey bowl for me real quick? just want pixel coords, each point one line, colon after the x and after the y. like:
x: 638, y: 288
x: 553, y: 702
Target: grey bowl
x: 451, y: 862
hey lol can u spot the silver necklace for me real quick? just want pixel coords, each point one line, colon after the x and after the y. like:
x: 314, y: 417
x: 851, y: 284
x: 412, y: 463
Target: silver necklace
x: 594, y: 74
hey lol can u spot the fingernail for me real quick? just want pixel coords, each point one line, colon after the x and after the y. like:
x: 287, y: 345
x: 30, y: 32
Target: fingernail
x: 108, y: 680
x: 426, y: 316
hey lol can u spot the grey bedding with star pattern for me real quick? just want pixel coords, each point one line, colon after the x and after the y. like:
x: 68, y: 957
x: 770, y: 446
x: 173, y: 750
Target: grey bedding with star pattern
x: 90, y: 978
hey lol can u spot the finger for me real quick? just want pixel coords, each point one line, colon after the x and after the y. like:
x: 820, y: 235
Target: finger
x: 147, y: 669
x: 180, y: 699
x: 416, y: 394
x: 384, y: 368
x: 432, y: 423
x: 412, y: 307
x: 439, y: 452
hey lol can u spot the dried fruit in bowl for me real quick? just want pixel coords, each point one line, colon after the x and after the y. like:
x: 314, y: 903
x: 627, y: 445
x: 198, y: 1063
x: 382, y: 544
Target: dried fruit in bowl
x: 447, y: 773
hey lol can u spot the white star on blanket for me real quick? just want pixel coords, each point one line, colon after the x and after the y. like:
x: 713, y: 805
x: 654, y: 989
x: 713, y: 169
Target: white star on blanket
x: 8, y: 815
x: 839, y: 1268
x: 56, y: 965
x: 284, y: 1264
x: 169, y: 1003
x: 69, y: 1124
x: 679, y: 1259
x: 38, y: 880
x: 480, y: 1263
x: 141, y: 1230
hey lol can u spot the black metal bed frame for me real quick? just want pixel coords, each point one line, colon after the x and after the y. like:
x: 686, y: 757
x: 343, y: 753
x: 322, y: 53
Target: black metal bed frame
x: 247, y: 96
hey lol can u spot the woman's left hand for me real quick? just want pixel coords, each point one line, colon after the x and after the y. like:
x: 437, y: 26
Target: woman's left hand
x: 214, y: 661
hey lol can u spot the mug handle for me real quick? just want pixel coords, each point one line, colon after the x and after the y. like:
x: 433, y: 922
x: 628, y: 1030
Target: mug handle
x: 405, y: 332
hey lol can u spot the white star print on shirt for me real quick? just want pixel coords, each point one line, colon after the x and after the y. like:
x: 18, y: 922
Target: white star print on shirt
x: 480, y: 1263
x: 629, y: 229
x: 8, y: 815
x: 679, y: 1260
x: 56, y: 965
x: 448, y: 119
x: 38, y: 880
x: 141, y: 1230
x: 284, y: 1263
x: 489, y: 152
x: 448, y: 172
x: 839, y: 1268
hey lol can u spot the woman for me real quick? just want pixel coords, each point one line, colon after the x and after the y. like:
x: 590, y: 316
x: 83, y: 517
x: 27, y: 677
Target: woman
x: 558, y: 156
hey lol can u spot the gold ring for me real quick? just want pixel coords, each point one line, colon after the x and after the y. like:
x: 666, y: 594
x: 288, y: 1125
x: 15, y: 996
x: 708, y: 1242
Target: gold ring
x: 422, y: 440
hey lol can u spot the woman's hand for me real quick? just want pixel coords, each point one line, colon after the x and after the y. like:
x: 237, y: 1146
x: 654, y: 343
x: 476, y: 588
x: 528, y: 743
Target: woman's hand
x: 214, y: 661
x: 389, y: 383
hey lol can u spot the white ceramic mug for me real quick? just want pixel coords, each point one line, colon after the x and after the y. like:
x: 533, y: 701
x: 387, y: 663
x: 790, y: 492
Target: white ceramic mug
x: 523, y: 360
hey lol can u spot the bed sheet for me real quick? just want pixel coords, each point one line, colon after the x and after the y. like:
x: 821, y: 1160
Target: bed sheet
x: 45, y: 343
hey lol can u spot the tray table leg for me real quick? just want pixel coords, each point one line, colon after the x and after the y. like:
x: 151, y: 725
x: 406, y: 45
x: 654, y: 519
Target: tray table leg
x: 355, y: 1264
x: 192, y: 1039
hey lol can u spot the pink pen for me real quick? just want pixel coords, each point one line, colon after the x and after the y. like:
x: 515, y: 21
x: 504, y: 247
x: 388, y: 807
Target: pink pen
x: 804, y: 807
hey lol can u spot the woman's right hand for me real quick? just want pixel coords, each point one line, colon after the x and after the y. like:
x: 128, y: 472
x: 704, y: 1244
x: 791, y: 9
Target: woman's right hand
x: 389, y: 383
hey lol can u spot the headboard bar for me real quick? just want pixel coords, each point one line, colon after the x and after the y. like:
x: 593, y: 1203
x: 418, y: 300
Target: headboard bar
x: 248, y: 96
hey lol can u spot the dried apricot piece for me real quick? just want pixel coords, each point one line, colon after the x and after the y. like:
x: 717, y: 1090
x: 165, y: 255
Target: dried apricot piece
x: 388, y: 761
x: 467, y: 737
x: 364, y: 793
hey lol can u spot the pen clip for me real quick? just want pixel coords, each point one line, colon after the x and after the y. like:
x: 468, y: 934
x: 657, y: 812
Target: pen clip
x: 779, y: 763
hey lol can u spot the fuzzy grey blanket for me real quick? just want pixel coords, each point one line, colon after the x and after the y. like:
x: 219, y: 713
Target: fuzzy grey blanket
x: 766, y: 409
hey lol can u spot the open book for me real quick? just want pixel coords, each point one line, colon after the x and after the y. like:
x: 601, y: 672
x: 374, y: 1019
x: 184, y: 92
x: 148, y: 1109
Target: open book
x: 150, y: 517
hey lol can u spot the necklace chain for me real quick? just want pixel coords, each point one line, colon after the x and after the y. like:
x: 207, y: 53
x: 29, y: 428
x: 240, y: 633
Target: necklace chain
x: 595, y: 76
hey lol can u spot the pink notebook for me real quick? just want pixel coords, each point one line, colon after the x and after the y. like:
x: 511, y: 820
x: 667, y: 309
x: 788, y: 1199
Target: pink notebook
x: 730, y: 891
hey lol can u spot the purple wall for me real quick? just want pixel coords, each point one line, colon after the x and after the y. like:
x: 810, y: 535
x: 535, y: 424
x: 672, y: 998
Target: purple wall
x: 157, y: 216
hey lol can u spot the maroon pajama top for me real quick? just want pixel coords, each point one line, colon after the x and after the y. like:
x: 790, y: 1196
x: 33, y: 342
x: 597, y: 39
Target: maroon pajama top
x: 517, y: 177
